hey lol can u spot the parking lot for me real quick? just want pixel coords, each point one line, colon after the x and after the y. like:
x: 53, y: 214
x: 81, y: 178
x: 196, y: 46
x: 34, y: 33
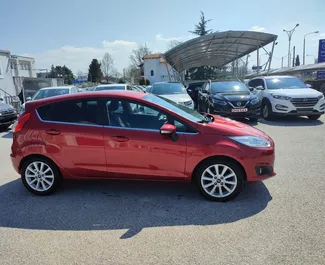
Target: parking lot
x: 280, y: 221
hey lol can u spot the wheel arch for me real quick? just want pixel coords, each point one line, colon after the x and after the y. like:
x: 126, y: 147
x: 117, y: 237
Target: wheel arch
x: 38, y: 156
x: 217, y: 157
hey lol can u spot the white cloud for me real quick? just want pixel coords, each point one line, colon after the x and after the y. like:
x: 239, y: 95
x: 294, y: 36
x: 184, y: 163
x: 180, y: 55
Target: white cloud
x: 79, y: 58
x: 257, y: 28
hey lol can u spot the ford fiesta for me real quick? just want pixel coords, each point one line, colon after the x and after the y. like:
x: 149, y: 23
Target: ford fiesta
x: 130, y: 135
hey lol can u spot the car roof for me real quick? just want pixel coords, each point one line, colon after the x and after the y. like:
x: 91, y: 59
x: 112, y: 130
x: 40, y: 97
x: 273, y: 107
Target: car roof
x: 57, y: 87
x: 159, y: 83
x: 91, y: 94
x: 226, y: 80
x: 108, y: 85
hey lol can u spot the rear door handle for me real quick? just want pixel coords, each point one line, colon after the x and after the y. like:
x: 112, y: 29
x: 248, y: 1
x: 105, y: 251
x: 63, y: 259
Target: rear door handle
x: 53, y: 132
x: 120, y: 138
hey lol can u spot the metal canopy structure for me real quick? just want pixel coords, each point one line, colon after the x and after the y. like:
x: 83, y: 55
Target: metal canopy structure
x: 216, y: 49
x: 292, y: 70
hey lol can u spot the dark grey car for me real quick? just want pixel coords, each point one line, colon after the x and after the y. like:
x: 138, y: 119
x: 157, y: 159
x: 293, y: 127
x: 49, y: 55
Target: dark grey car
x: 8, y: 115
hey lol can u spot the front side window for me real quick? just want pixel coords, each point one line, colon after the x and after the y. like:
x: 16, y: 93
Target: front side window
x: 284, y: 82
x: 84, y: 111
x: 168, y: 89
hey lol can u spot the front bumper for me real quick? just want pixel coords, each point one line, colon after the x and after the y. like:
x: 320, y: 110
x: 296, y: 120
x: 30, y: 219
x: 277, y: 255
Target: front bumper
x: 226, y: 111
x: 301, y: 108
x: 7, y: 119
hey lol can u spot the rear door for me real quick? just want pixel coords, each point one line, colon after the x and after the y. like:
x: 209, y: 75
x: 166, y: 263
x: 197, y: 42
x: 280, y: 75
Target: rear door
x: 134, y: 146
x: 73, y: 133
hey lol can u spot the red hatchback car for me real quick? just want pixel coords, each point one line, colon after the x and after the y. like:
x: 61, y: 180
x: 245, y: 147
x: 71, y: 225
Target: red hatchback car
x: 129, y: 135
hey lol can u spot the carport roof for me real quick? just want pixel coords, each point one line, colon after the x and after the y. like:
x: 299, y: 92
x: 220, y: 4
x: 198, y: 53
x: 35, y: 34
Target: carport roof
x: 216, y: 49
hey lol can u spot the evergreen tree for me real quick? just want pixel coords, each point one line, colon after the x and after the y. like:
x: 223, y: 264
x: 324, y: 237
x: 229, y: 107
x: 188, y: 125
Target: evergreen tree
x: 201, y: 28
x: 297, y: 61
x: 95, y: 74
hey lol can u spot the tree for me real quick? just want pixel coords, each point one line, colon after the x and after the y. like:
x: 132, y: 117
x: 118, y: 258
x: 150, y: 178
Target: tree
x: 137, y: 54
x: 202, y: 72
x: 94, y: 72
x: 107, y: 65
x: 173, y: 44
x: 201, y: 28
x: 297, y: 61
x: 61, y: 72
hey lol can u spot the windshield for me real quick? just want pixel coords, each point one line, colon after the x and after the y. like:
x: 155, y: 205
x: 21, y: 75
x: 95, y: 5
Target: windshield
x: 109, y: 88
x: 229, y: 87
x: 187, y: 113
x: 46, y: 93
x: 285, y: 82
x: 168, y: 88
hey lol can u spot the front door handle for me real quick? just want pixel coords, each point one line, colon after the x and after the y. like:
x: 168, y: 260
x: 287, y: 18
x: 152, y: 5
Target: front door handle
x: 53, y: 132
x: 120, y: 138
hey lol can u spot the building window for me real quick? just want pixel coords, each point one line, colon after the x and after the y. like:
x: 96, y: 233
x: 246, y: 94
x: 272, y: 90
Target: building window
x: 152, y: 73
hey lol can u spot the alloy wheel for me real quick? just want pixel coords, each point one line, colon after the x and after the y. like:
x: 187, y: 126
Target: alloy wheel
x: 39, y: 176
x: 219, y: 180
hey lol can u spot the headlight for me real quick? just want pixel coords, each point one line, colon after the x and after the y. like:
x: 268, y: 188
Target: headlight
x: 251, y: 141
x: 281, y: 97
x: 320, y: 96
x: 255, y: 101
x: 219, y: 101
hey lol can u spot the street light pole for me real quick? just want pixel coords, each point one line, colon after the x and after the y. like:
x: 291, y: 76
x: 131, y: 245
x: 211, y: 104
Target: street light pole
x: 290, y: 33
x: 304, y: 51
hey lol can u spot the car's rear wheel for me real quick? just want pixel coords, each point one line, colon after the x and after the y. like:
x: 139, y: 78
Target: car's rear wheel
x: 314, y: 117
x: 40, y: 175
x: 220, y: 180
x: 267, y: 112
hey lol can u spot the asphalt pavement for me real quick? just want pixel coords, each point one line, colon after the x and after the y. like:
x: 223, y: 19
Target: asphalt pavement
x: 279, y: 221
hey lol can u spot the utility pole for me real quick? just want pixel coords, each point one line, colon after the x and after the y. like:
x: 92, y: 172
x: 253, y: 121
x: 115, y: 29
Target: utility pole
x: 294, y: 56
x: 282, y: 62
x: 290, y: 33
x: 304, y: 47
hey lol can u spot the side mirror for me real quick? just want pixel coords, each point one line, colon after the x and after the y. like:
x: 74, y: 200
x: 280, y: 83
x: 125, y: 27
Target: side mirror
x: 189, y: 90
x: 169, y: 130
x: 308, y: 85
x: 259, y: 88
x: 28, y: 99
x: 251, y: 88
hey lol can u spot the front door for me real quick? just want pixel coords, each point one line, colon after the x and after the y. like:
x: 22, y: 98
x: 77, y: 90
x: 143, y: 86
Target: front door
x: 134, y: 146
x: 74, y: 135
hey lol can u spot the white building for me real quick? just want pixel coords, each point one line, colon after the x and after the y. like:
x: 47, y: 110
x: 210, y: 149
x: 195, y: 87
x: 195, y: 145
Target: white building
x: 156, y: 69
x: 7, y: 86
x: 22, y: 66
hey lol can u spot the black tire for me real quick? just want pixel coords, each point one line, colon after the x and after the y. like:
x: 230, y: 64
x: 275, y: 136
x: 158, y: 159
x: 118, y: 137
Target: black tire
x: 267, y: 111
x: 239, y: 174
x: 314, y: 117
x: 54, y: 169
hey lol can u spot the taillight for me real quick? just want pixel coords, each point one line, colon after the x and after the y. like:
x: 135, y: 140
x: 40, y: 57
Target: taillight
x: 21, y: 122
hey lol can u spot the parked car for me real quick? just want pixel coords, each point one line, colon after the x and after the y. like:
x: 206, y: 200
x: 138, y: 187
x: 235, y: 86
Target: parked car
x: 48, y: 92
x: 230, y: 98
x: 193, y: 89
x: 287, y: 95
x: 173, y: 91
x: 115, y: 87
x: 8, y: 115
x: 139, y: 136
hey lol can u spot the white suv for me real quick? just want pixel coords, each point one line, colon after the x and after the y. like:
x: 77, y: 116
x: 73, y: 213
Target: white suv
x: 287, y: 95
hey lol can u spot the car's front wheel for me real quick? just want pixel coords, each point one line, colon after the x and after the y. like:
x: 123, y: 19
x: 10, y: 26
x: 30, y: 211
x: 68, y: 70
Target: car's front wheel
x: 220, y: 179
x: 40, y: 175
x: 314, y: 117
x: 267, y: 112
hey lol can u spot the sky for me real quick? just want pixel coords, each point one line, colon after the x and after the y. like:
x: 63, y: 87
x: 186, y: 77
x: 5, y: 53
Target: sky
x: 74, y: 32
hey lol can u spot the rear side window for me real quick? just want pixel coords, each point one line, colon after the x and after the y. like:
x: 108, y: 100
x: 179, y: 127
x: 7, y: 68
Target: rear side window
x: 86, y: 111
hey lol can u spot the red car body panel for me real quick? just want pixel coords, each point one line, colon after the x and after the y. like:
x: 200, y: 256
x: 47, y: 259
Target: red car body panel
x: 94, y: 151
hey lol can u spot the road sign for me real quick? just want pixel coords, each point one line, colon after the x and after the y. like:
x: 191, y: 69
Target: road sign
x: 320, y: 75
x: 321, y: 51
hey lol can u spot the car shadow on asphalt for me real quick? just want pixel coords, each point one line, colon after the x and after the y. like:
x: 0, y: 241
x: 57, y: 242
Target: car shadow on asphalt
x: 288, y: 122
x: 7, y: 135
x: 110, y: 205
